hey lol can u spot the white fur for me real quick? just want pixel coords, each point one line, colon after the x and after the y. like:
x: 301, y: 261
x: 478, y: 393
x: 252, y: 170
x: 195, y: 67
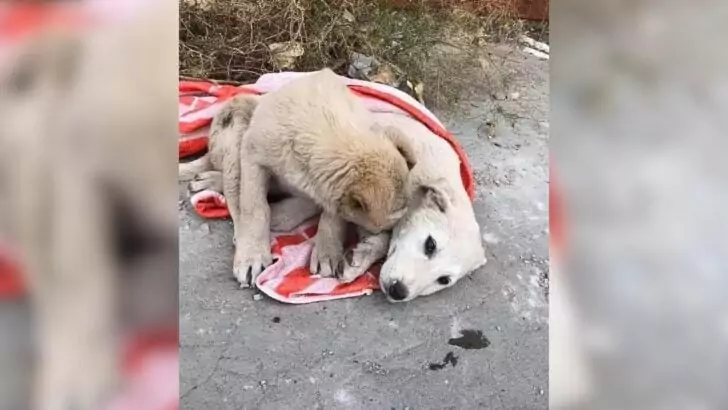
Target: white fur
x: 460, y: 250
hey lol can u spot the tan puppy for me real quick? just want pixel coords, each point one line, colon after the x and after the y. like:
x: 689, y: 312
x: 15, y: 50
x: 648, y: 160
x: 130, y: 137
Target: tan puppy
x: 87, y: 191
x: 316, y: 138
x: 219, y: 168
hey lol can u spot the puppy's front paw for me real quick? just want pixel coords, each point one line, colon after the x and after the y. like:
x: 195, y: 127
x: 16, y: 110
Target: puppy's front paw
x: 251, y: 259
x: 327, y: 258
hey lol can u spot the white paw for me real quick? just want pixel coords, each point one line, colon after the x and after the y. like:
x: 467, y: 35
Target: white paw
x: 367, y: 252
x: 358, y: 261
x: 250, y: 261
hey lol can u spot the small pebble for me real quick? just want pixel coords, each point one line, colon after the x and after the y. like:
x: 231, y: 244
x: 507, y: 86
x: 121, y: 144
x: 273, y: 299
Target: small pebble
x: 515, y: 95
x: 540, y: 391
x: 257, y: 297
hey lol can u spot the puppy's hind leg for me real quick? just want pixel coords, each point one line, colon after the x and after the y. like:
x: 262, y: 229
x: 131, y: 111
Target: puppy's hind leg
x: 208, y: 180
x: 286, y: 214
x: 252, y: 223
x: 187, y: 171
x: 369, y: 250
x: 291, y: 212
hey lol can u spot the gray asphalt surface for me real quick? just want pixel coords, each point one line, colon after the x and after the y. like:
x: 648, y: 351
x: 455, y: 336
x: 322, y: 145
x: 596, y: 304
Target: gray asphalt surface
x: 364, y: 353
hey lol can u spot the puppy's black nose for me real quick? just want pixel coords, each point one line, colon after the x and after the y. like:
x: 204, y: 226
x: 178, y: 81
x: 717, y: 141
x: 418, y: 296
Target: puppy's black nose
x: 397, y: 291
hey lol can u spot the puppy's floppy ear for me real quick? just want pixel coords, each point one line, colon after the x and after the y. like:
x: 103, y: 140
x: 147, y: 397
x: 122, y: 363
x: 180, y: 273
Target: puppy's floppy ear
x: 402, y: 144
x: 355, y: 202
x: 436, y: 195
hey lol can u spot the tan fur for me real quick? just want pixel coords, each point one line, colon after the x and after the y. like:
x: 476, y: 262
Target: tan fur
x: 326, y: 146
x: 315, y: 137
x: 220, y: 167
x: 87, y: 139
x: 224, y: 149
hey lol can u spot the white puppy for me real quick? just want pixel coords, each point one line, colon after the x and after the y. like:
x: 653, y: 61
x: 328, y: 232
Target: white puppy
x: 438, y: 240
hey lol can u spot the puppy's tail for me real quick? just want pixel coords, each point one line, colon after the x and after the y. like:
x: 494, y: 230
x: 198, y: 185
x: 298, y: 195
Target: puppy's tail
x: 188, y: 170
x: 239, y: 110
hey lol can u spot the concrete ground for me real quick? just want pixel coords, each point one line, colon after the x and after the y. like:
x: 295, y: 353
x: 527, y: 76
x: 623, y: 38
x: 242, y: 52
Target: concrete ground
x: 365, y: 353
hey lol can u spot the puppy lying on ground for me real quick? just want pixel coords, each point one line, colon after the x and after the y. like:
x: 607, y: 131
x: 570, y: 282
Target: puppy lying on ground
x: 433, y: 246
x: 317, y: 140
x: 85, y: 192
x: 438, y: 240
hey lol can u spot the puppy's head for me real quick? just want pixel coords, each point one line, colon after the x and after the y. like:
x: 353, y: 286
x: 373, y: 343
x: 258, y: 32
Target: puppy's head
x: 433, y: 246
x: 378, y: 195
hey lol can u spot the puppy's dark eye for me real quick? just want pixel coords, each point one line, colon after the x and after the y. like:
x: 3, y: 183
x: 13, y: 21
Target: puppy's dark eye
x: 443, y: 280
x: 430, y: 246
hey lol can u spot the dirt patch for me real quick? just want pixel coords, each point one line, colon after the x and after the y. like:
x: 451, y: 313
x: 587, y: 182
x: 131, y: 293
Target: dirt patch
x: 434, y: 48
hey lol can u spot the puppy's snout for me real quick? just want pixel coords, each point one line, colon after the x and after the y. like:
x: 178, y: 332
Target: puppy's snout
x: 397, y: 291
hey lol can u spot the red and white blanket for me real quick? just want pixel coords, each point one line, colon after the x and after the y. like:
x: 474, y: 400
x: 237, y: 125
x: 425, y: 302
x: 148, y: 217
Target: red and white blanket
x: 289, y: 280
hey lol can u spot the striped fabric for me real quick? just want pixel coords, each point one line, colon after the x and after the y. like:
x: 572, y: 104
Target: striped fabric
x: 288, y: 280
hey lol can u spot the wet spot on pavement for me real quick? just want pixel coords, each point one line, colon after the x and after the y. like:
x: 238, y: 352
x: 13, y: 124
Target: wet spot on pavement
x: 470, y: 339
x: 450, y: 358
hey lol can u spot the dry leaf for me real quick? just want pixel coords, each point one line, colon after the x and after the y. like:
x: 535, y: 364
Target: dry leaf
x: 385, y: 75
x: 284, y: 55
x: 202, y: 4
x: 420, y: 92
x: 348, y: 16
